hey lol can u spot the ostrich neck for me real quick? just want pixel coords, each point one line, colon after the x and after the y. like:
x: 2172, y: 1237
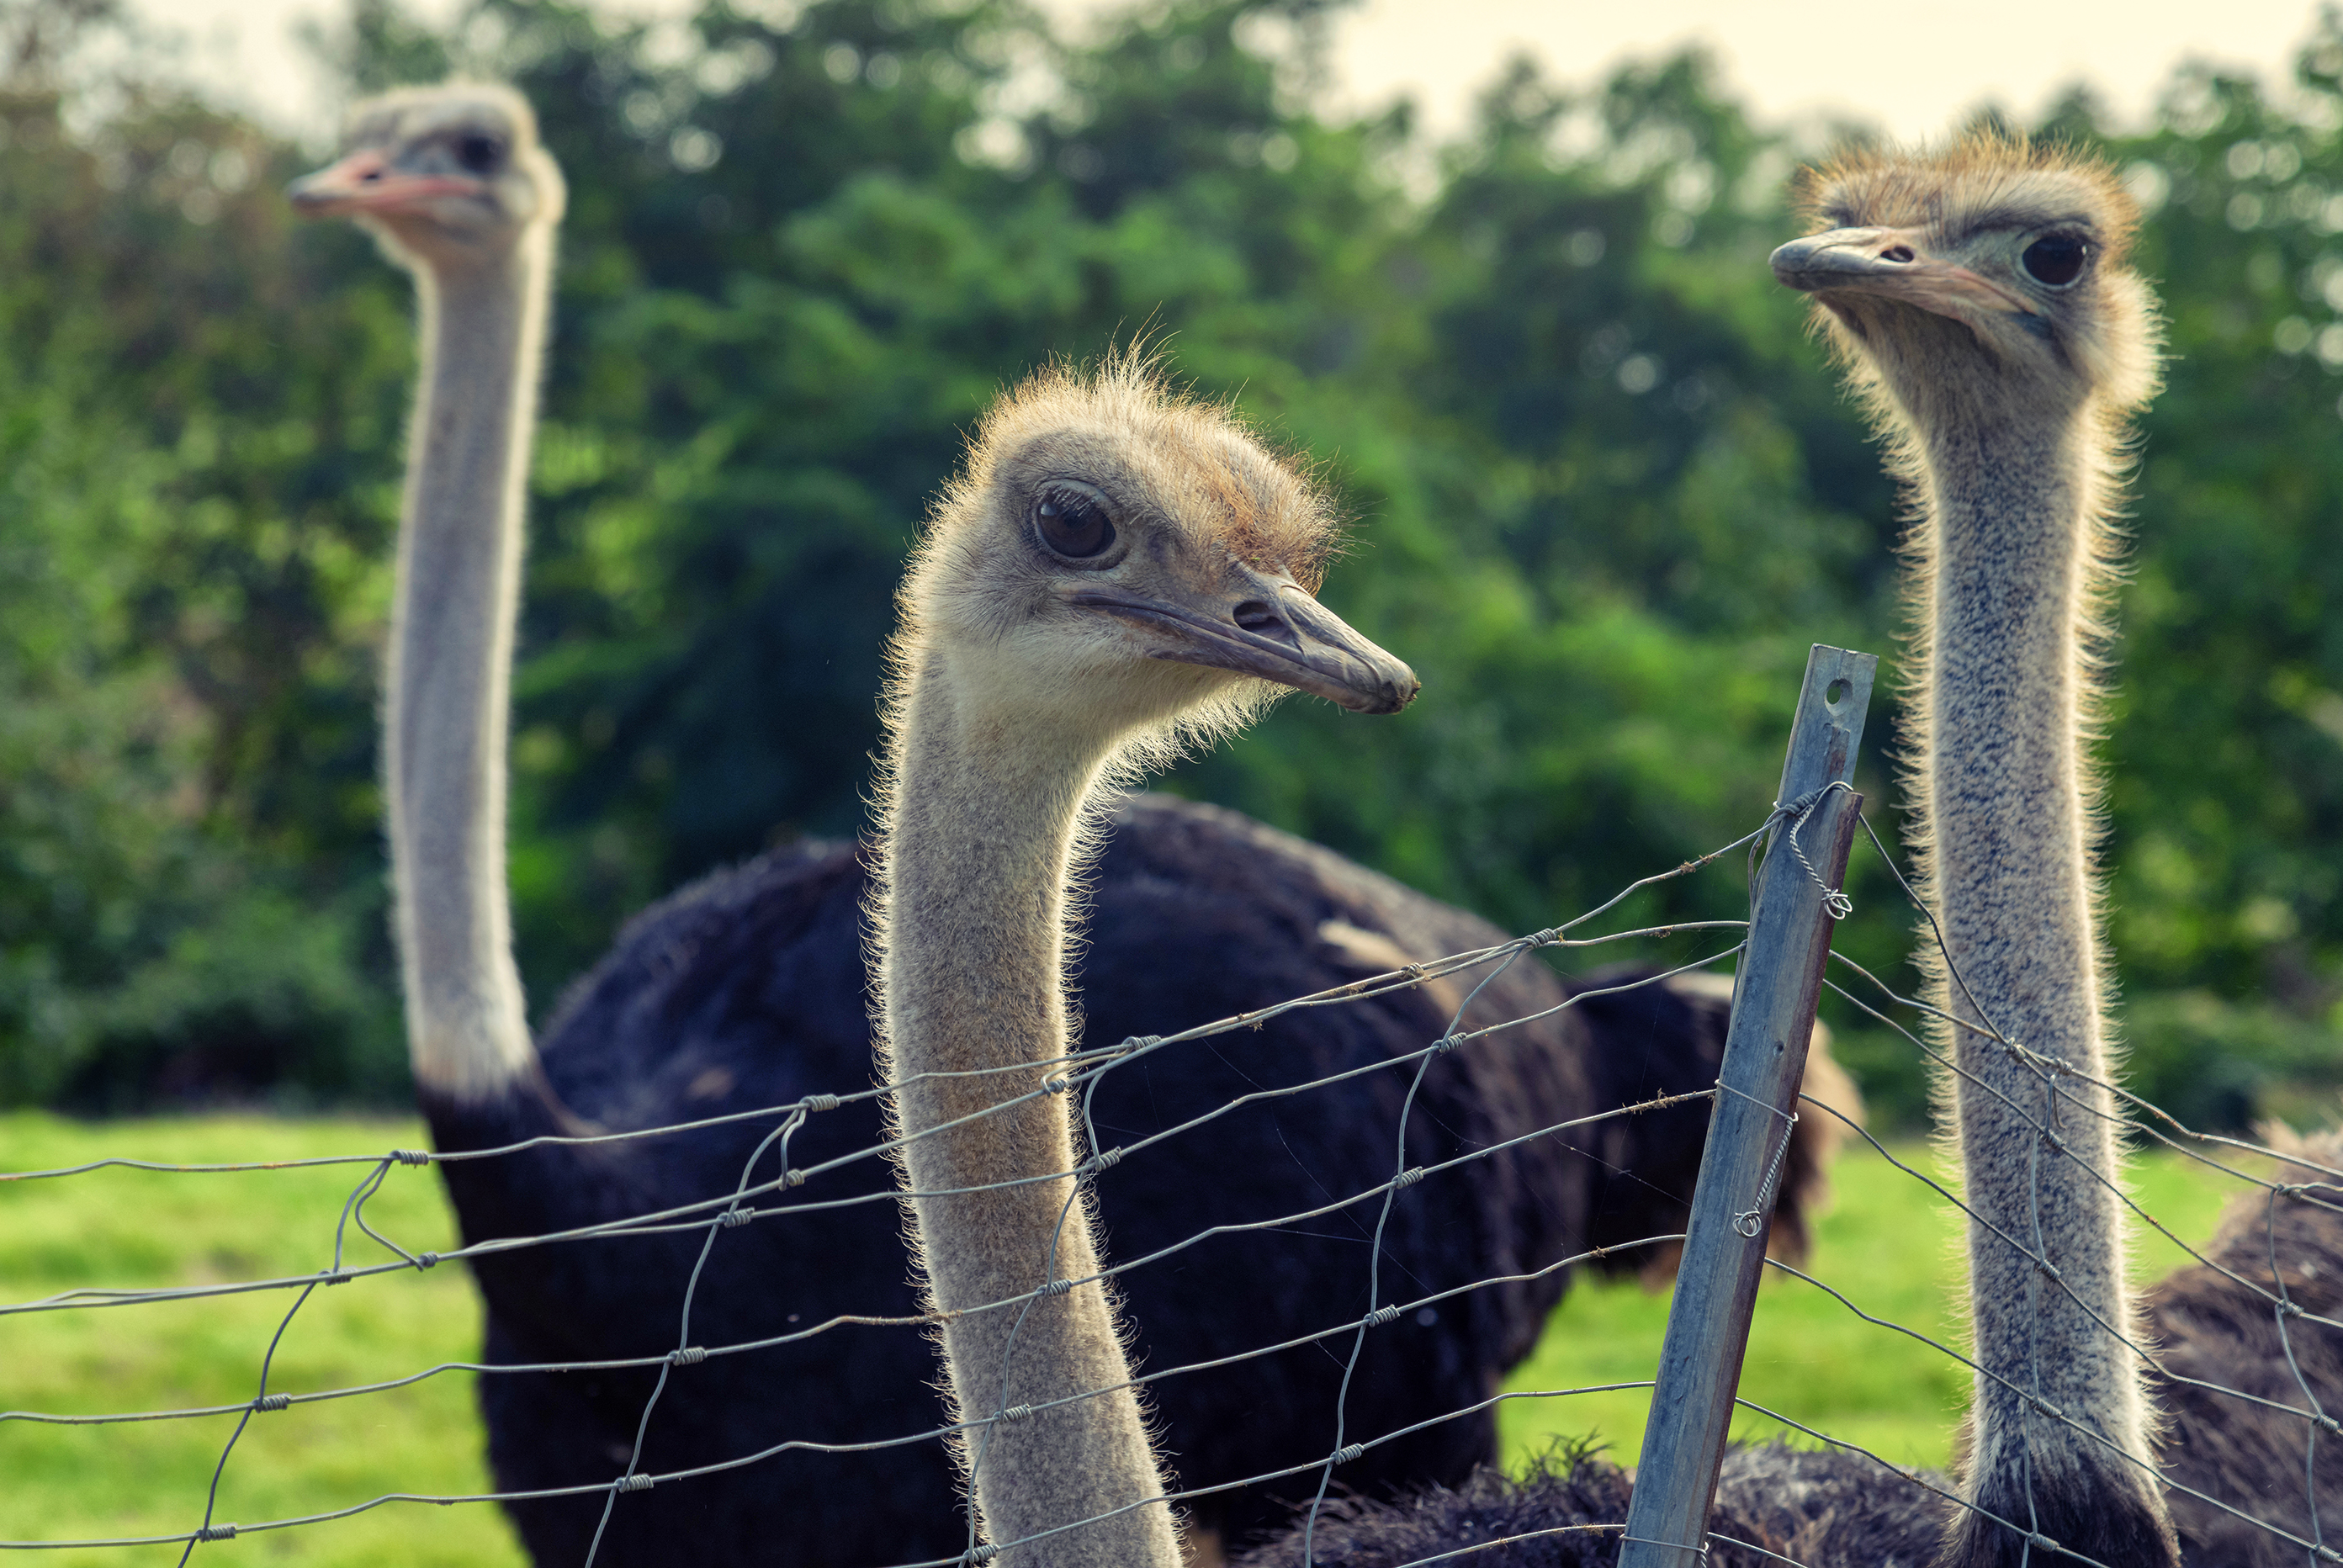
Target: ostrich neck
x: 450, y: 670
x: 2011, y: 538
x: 2005, y: 703
x: 980, y: 845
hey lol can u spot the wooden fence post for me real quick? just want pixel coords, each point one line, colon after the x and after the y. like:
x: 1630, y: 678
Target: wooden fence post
x: 1775, y: 986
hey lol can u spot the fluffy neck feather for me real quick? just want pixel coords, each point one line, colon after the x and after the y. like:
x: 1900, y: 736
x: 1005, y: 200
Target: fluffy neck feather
x: 984, y: 828
x: 450, y: 668
x: 2013, y: 542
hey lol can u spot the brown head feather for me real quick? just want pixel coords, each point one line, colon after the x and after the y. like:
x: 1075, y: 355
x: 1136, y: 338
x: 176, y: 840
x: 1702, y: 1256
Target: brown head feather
x: 1201, y: 457
x: 1983, y: 176
x: 1970, y: 217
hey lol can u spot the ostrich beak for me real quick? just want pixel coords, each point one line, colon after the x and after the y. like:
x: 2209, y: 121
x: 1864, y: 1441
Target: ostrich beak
x: 1892, y: 264
x: 365, y: 182
x: 1265, y: 625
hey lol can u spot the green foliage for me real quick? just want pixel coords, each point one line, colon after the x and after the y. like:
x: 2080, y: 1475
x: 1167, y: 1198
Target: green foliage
x: 1608, y: 495
x: 197, y: 473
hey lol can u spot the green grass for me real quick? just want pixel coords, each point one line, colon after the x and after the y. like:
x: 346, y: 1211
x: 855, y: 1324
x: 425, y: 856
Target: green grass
x: 1889, y: 1243
x: 1891, y: 1246
x: 117, y: 1228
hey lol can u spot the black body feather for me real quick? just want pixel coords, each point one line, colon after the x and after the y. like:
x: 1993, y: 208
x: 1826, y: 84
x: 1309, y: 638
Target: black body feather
x: 1821, y: 1509
x: 748, y: 990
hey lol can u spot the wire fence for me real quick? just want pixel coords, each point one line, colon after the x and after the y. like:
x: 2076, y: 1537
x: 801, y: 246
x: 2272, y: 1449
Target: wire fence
x: 2065, y: 1096
x: 1078, y: 1074
x: 2270, y: 1276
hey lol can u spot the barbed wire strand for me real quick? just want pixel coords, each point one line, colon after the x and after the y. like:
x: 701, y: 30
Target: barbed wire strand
x: 781, y: 1136
x: 1374, y: 1263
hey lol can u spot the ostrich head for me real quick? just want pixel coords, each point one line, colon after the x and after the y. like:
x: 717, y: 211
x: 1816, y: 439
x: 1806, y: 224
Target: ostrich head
x: 1991, y: 275
x: 1115, y: 563
x: 449, y: 176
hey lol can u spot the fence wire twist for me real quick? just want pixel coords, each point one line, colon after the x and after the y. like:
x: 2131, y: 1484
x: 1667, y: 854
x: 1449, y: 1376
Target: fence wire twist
x: 2066, y: 1096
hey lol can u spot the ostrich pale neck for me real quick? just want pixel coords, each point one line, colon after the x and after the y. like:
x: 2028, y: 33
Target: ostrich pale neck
x: 983, y: 832
x: 2011, y: 546
x: 451, y: 655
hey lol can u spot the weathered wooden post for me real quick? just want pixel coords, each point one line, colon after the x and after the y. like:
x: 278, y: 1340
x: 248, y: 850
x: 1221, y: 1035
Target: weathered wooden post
x: 1774, y: 990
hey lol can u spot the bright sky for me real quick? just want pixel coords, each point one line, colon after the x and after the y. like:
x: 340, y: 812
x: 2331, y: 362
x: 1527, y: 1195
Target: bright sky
x: 1913, y: 69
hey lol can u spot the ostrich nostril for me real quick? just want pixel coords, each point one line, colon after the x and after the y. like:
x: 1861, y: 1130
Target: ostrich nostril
x: 1260, y: 619
x: 1896, y: 253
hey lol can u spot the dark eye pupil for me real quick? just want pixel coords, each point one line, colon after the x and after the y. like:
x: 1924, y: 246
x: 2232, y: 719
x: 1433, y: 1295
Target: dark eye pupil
x: 2054, y: 261
x: 477, y: 154
x: 1072, y: 526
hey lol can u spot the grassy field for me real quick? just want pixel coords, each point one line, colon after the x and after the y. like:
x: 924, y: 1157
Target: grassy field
x: 1888, y: 1244
x: 119, y: 1227
x: 1891, y: 1246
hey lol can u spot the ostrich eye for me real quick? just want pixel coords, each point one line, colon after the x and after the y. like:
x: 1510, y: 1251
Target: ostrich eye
x: 1072, y: 524
x: 2056, y: 260
x: 477, y: 154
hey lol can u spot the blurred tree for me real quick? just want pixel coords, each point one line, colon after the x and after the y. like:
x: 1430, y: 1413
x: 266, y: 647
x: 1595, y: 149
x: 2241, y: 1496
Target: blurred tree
x: 1608, y: 491
x: 196, y: 463
x: 2227, y: 799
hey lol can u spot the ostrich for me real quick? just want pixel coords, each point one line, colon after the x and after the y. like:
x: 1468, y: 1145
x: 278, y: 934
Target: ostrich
x: 747, y: 989
x: 1981, y: 303
x: 1115, y: 571
x: 1983, y: 306
x: 454, y: 184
